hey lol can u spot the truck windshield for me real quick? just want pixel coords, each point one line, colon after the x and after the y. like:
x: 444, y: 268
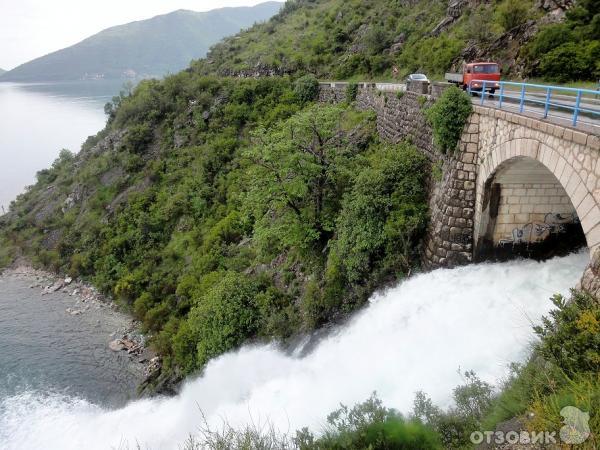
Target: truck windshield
x: 485, y: 68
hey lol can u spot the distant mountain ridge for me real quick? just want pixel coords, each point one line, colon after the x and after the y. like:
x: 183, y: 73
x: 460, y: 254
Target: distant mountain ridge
x: 153, y: 47
x: 2, y: 71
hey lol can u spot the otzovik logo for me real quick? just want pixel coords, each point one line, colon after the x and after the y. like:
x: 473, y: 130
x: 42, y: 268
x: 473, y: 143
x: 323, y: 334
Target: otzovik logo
x: 576, y: 429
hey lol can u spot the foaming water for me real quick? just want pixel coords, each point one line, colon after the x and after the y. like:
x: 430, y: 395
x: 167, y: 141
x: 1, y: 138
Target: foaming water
x: 413, y: 337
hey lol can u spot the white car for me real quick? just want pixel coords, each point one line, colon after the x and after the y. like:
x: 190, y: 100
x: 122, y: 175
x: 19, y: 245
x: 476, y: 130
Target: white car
x: 417, y: 77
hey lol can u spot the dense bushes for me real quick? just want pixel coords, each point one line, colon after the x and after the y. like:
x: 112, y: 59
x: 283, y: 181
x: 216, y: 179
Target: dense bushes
x: 358, y: 40
x: 571, y: 50
x: 367, y: 425
x: 383, y: 216
x: 448, y: 116
x: 370, y: 425
x: 570, y: 338
x: 225, y: 316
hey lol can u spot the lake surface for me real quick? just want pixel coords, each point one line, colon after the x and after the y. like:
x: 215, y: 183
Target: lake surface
x: 38, y: 120
x: 45, y: 348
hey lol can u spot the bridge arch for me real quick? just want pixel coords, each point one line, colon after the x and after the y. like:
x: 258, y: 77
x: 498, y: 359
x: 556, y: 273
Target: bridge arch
x: 527, y: 190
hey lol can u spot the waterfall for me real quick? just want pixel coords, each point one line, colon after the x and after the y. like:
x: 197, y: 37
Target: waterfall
x: 415, y: 336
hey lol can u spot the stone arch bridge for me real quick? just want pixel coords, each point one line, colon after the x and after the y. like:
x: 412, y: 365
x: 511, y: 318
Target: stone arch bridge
x: 514, y: 181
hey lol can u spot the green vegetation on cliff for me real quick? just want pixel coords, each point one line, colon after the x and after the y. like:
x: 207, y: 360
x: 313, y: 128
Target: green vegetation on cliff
x: 221, y: 211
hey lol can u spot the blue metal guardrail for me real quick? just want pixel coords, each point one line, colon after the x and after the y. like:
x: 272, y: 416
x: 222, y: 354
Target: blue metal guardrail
x: 556, y: 97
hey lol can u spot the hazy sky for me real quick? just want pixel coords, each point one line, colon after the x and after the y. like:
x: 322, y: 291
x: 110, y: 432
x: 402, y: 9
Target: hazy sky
x: 32, y: 28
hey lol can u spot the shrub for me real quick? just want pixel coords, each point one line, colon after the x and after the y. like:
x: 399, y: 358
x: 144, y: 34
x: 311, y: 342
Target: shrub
x: 549, y: 38
x: 351, y: 92
x: 570, y: 338
x: 448, y: 116
x: 224, y: 317
x: 138, y: 137
x: 454, y: 426
x: 307, y: 88
x: 513, y: 13
x: 370, y: 425
x: 376, y: 40
x: 571, y: 61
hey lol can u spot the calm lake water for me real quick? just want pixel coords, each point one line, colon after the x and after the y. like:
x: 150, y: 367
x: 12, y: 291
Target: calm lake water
x: 44, y: 349
x: 38, y: 120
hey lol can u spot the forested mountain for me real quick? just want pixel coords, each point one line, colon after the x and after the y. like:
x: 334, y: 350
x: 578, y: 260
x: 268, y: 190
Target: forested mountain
x: 154, y: 47
x: 2, y: 71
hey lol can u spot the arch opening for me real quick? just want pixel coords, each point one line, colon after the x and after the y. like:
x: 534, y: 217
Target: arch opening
x: 526, y: 212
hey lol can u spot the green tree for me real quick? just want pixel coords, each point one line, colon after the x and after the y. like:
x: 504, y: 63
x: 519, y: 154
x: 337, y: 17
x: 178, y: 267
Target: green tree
x: 307, y: 88
x: 295, y: 181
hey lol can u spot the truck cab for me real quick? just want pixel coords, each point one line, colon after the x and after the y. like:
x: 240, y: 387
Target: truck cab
x: 487, y: 71
x: 480, y: 71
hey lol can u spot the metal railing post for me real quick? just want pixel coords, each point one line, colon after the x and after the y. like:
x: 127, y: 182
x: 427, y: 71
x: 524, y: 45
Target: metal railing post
x: 576, y: 111
x: 501, y: 95
x: 522, y: 101
x: 547, y: 105
x: 483, y: 92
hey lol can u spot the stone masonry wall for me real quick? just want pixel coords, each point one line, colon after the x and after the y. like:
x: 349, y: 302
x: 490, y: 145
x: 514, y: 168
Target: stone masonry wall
x: 450, y: 237
x: 398, y: 119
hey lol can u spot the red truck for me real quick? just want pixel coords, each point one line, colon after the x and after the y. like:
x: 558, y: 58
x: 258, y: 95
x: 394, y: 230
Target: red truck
x: 488, y: 71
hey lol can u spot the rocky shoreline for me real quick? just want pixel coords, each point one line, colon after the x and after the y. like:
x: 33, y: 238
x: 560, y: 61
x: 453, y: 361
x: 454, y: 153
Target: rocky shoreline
x: 87, y: 301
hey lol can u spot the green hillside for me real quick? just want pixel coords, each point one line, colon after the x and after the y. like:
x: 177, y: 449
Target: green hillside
x: 344, y: 39
x: 200, y: 214
x: 153, y: 47
x: 2, y: 71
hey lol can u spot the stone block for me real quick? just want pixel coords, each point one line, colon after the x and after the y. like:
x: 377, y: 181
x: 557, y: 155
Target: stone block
x: 593, y: 142
x: 558, y: 131
x: 521, y: 218
x: 579, y: 191
x: 568, y: 134
x: 579, y: 137
x: 468, y: 158
x: 591, y: 219
x: 514, y: 208
x: 593, y: 236
x: 585, y: 206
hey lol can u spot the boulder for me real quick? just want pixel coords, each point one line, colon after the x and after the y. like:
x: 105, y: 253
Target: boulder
x: 116, y: 345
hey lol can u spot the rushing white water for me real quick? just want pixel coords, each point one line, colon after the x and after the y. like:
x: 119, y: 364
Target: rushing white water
x: 413, y: 337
